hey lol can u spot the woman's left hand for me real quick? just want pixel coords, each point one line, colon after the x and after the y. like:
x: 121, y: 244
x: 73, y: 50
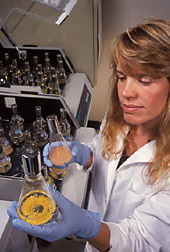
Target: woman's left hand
x: 73, y: 220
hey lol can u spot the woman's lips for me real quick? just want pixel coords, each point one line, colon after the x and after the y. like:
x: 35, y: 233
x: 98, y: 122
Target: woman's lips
x: 130, y: 108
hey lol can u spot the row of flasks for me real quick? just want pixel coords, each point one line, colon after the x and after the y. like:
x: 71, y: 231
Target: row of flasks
x: 37, y: 135
x: 51, y: 79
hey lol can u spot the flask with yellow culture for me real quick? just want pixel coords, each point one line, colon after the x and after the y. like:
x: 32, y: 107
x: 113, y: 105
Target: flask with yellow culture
x: 36, y: 204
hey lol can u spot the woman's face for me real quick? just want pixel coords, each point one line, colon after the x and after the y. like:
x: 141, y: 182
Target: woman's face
x: 142, y: 100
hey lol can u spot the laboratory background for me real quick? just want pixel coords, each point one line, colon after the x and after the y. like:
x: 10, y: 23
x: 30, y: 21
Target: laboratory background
x: 74, y: 38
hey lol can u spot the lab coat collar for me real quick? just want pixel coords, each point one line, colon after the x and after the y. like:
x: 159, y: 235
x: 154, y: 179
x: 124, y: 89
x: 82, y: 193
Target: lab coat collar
x: 144, y: 154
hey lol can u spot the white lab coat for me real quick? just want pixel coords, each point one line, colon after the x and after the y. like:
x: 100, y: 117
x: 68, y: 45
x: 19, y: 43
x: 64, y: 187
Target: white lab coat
x: 137, y: 214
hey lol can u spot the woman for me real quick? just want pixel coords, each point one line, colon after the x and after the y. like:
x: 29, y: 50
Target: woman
x: 129, y: 158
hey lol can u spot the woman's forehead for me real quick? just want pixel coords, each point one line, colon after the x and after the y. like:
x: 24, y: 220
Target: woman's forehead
x: 130, y: 68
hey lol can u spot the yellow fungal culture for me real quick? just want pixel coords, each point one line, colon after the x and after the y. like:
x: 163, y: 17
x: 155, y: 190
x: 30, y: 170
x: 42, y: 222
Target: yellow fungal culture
x: 36, y: 207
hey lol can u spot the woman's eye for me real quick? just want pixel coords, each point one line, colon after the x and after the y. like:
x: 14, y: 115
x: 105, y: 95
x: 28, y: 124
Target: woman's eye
x: 145, y: 81
x: 121, y: 78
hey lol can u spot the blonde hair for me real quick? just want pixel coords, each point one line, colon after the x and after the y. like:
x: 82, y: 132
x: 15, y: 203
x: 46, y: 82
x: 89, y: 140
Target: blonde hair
x: 145, y: 47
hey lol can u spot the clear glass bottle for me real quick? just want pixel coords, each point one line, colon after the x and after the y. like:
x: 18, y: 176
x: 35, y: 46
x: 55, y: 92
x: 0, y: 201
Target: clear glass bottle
x: 16, y: 77
x: 62, y: 77
x: 59, y: 57
x: 40, y: 136
x: 65, y: 126
x: 7, y: 68
x: 40, y: 80
x: 47, y: 70
x: 28, y: 78
x: 5, y: 162
x: 36, y: 204
x: 16, y: 134
x: 35, y: 67
x: 23, y: 60
x: 15, y: 64
x: 55, y: 80
x: 4, y: 142
x: 53, y: 83
x: 27, y: 139
x: 3, y: 77
x: 16, y: 117
x: 1, y: 69
x: 39, y: 116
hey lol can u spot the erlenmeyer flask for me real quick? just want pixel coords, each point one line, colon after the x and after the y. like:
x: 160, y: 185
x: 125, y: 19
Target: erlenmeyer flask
x: 15, y: 133
x: 36, y: 204
x: 16, y: 117
x: 5, y: 162
x: 59, y: 151
x: 39, y: 117
x: 40, y: 135
x: 6, y: 145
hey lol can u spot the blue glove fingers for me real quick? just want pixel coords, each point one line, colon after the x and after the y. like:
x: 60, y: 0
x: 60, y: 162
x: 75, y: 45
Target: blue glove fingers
x: 49, y: 232
x: 45, y: 150
x: 11, y: 210
x: 37, y: 231
x: 45, y: 156
x: 48, y: 162
x: 61, y: 202
x: 81, y: 152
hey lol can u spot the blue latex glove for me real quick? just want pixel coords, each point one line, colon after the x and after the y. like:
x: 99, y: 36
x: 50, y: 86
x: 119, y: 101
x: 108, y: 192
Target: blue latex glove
x: 80, y: 152
x: 73, y: 220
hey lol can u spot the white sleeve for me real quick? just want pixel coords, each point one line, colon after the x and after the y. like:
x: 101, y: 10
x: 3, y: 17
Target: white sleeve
x: 93, y: 145
x: 148, y: 229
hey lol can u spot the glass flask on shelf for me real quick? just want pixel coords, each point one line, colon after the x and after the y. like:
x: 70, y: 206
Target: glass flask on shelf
x: 59, y: 152
x: 16, y: 117
x: 16, y: 134
x: 53, y: 83
x: 27, y: 139
x: 16, y: 78
x: 40, y: 135
x: 15, y: 64
x: 47, y: 70
x: 5, y: 162
x: 4, y: 142
x: 36, y: 204
x: 23, y: 60
x: 7, y: 68
x: 35, y: 67
x: 62, y: 77
x: 38, y: 115
x: 28, y: 78
x: 65, y: 126
x: 16, y: 75
x: 40, y: 80
x: 1, y: 69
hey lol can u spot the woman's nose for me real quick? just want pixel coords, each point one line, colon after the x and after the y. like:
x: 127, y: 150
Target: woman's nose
x: 129, y: 90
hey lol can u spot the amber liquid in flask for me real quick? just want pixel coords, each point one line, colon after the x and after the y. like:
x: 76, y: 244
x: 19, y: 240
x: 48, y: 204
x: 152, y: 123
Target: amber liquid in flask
x: 59, y: 151
x: 36, y: 204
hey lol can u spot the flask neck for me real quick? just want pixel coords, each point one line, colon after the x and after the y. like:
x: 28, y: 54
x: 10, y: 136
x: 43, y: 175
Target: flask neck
x: 31, y: 161
x: 53, y: 124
